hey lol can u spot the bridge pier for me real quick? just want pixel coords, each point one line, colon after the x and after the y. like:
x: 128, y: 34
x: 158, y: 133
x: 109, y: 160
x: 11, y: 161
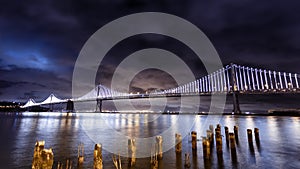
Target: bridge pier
x: 51, y: 107
x: 236, y: 104
x: 70, y: 106
x: 99, y: 105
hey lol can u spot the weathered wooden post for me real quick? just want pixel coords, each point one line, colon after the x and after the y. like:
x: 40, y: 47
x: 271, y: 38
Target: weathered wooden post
x: 98, y: 161
x: 179, y: 160
x: 232, y: 141
x: 218, y: 132
x: 232, y: 147
x: 42, y: 158
x: 209, y: 136
x: 226, y: 135
x: 187, y: 162
x: 219, y: 145
x: 206, y: 148
x: 153, y: 160
x: 131, y: 152
x: 178, y: 143
x: 219, y: 127
x: 257, y: 139
x: 236, y: 132
x: 159, y: 141
x: 250, y: 139
x: 117, y: 162
x: 194, y: 140
x: 59, y: 165
x: 80, y: 156
x: 211, y: 128
x: 219, y: 151
x: 68, y: 164
x: 249, y: 133
x: 256, y: 133
x: 218, y: 139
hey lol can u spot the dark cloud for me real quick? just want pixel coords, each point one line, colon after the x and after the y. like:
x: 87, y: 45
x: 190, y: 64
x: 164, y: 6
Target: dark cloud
x: 152, y: 79
x: 40, y: 40
x: 40, y: 84
x: 7, y: 84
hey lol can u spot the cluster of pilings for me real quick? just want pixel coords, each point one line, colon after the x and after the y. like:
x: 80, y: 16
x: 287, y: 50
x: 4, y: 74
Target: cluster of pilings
x: 232, y: 139
x: 43, y: 158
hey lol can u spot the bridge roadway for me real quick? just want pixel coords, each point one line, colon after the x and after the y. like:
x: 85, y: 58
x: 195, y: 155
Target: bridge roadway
x: 146, y: 96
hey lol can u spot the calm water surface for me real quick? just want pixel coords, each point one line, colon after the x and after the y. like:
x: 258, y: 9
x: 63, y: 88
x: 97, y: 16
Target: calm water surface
x: 279, y: 138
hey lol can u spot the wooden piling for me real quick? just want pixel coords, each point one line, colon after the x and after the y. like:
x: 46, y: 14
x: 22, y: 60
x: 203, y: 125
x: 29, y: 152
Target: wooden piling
x: 59, y: 165
x: 218, y: 132
x: 249, y: 134
x: 219, y: 144
x: 159, y: 141
x: 179, y: 160
x: 211, y: 128
x: 232, y: 141
x: 232, y: 147
x: 256, y: 133
x: 206, y: 148
x: 131, y: 152
x: 98, y: 161
x: 80, y: 156
x: 257, y: 139
x: 194, y: 140
x: 154, y: 164
x: 117, y: 162
x: 42, y: 158
x: 226, y: 135
x: 209, y: 136
x: 250, y: 140
x: 219, y: 127
x: 178, y: 143
x: 69, y: 164
x: 153, y: 159
x: 236, y: 132
x: 187, y: 162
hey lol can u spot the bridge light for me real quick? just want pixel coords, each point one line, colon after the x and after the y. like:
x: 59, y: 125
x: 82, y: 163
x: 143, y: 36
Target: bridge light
x: 267, y: 86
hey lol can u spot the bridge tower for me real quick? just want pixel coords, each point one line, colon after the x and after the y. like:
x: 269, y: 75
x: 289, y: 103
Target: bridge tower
x: 99, y: 105
x: 99, y: 101
x: 234, y: 89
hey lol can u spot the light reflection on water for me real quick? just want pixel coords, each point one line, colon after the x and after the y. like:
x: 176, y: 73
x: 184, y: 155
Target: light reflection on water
x: 279, y: 146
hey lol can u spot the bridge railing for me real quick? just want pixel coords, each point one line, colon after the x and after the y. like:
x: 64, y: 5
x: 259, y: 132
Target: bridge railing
x: 239, y: 78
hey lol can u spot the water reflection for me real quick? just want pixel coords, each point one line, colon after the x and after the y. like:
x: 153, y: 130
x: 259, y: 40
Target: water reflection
x: 278, y: 146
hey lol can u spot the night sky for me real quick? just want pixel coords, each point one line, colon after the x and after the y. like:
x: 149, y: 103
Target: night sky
x: 40, y: 40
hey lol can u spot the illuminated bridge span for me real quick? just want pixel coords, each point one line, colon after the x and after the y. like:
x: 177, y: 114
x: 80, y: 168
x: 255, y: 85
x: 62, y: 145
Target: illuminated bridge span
x: 232, y: 79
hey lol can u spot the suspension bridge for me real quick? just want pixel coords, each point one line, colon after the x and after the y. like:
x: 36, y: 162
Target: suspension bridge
x: 232, y: 79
